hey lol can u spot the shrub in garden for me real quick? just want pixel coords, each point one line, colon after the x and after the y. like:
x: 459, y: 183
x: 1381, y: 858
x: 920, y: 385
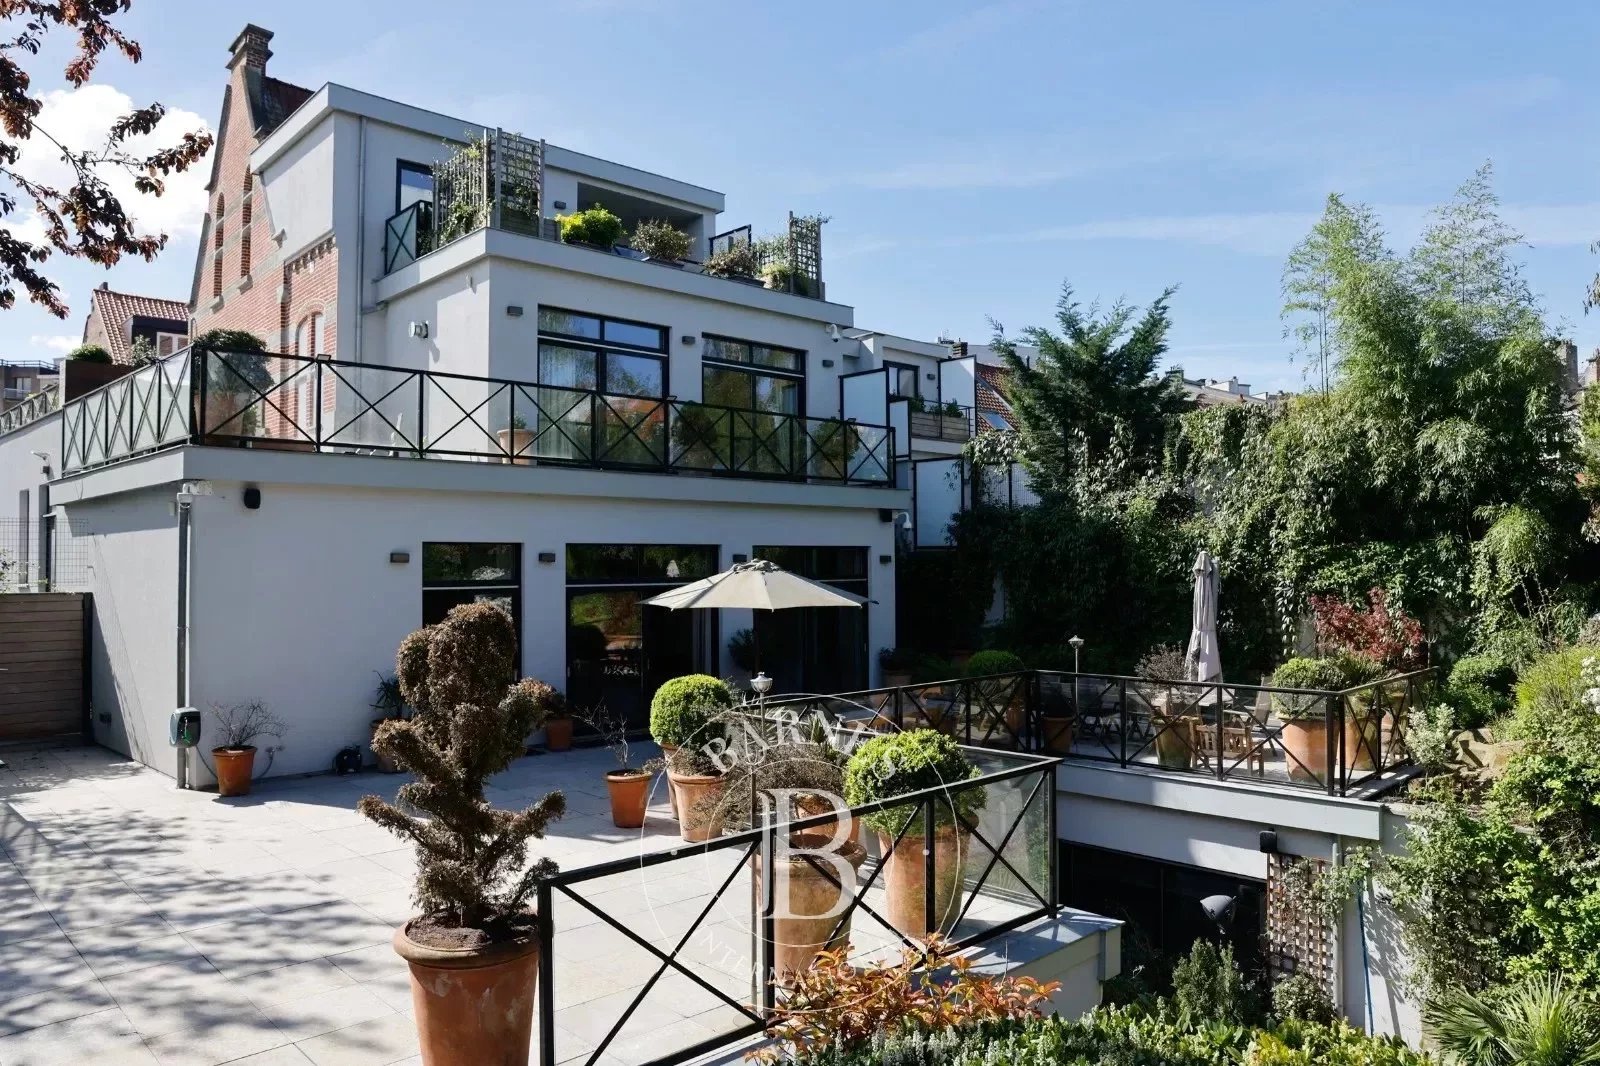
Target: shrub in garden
x: 1301, y: 997
x: 899, y: 764
x: 89, y: 353
x: 683, y: 707
x: 1543, y: 1021
x: 1207, y: 986
x: 993, y: 661
x: 660, y: 240
x: 1378, y: 632
x: 739, y: 261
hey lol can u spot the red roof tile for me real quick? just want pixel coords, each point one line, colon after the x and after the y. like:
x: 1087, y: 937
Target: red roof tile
x: 116, y: 311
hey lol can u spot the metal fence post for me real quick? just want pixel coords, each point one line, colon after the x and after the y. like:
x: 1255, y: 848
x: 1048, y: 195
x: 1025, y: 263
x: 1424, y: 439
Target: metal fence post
x: 547, y: 970
x: 1222, y: 770
x: 1335, y: 735
x: 929, y: 872
x: 316, y: 405
x: 1122, y: 724
x: 1054, y: 848
x: 422, y: 398
x: 769, y: 895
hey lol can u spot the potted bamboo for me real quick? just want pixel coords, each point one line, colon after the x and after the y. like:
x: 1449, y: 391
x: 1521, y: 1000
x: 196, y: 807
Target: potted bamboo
x: 899, y: 764
x: 628, y: 786
x: 473, y: 949
x: 240, y: 726
x: 389, y: 703
x: 1305, y: 715
x: 680, y: 710
x: 1174, y: 741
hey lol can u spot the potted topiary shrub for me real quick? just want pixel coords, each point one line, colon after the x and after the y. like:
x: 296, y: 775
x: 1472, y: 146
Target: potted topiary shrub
x: 516, y: 442
x: 896, y: 664
x: 473, y: 949
x: 1000, y: 703
x: 628, y: 785
x: 389, y: 703
x: 594, y: 226
x: 1363, y: 712
x: 900, y: 764
x: 660, y: 241
x: 1305, y: 714
x: 236, y: 374
x: 240, y: 726
x: 681, y: 712
x: 698, y: 783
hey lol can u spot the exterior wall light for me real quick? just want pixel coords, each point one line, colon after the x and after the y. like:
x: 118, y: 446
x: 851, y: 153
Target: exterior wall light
x: 514, y: 310
x: 688, y: 339
x: 885, y: 559
x: 400, y: 558
x: 547, y: 557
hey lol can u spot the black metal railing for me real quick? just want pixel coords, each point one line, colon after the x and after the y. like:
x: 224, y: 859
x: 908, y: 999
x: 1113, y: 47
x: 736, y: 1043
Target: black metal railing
x: 291, y: 403
x: 948, y: 422
x: 407, y: 236
x: 1332, y: 741
x: 715, y: 944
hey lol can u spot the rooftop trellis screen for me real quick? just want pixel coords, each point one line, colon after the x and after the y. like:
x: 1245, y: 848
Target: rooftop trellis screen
x: 493, y: 181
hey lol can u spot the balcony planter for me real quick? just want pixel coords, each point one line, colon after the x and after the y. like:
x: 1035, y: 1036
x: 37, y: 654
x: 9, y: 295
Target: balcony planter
x: 681, y: 715
x: 472, y: 1004
x: 1057, y: 729
x: 1174, y: 744
x: 1363, y: 725
x: 810, y: 902
x: 1305, y: 717
x: 517, y: 443
x: 935, y: 425
x: 901, y: 764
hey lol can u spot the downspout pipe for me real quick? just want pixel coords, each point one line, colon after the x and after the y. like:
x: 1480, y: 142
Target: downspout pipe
x: 1336, y: 952
x: 184, y: 504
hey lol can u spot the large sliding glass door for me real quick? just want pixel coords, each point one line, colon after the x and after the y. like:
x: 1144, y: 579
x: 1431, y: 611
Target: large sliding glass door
x: 619, y: 650
x: 817, y: 649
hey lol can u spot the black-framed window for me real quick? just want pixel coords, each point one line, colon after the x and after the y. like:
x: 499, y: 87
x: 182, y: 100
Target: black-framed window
x: 609, y: 355
x: 454, y: 573
x: 817, y: 649
x: 412, y: 182
x: 639, y: 564
x: 753, y: 377
x: 905, y: 381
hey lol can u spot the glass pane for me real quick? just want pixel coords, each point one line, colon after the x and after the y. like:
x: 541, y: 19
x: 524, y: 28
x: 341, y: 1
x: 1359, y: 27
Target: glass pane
x: 571, y: 368
x: 634, y: 375
x: 782, y: 358
x: 725, y: 388
x: 436, y: 603
x: 777, y: 394
x: 678, y: 562
x: 416, y: 184
x: 638, y: 336
x: 728, y: 351
x: 602, y: 562
x: 490, y: 564
x: 573, y: 325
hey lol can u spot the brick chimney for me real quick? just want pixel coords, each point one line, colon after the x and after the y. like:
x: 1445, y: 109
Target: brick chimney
x: 958, y: 349
x: 250, y: 48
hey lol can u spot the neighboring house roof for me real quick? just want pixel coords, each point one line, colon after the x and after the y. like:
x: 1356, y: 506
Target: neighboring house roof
x: 117, y: 310
x: 272, y: 101
x: 990, y: 391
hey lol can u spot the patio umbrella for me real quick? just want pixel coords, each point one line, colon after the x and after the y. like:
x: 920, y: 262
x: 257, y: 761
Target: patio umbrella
x: 757, y: 585
x: 1205, y: 661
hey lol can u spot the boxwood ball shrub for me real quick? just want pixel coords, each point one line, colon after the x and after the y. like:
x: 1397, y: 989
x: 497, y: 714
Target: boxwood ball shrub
x: 994, y: 662
x: 1326, y: 675
x: 684, y: 706
x: 596, y: 227
x: 902, y: 763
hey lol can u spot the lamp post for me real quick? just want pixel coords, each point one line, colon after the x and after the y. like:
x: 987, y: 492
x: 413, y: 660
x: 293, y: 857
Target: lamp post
x: 1077, y: 644
x: 762, y: 685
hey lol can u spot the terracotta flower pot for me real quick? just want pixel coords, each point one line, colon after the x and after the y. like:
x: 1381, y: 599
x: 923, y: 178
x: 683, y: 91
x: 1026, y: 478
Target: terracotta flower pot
x: 1057, y: 734
x: 1361, y: 736
x: 519, y: 443
x: 904, y: 875
x: 558, y: 734
x: 698, y: 795
x: 1173, y: 750
x: 472, y: 1004
x: 1306, y: 741
x: 809, y: 903
x: 630, y: 794
x: 235, y: 767
x: 386, y: 763
x: 896, y: 678
x: 810, y: 805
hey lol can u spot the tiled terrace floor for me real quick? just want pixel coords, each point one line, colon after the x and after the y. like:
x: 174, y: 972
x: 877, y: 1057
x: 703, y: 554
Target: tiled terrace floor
x: 148, y: 925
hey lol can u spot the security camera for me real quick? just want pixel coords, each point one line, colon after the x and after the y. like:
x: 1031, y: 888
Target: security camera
x: 833, y: 333
x: 1219, y: 909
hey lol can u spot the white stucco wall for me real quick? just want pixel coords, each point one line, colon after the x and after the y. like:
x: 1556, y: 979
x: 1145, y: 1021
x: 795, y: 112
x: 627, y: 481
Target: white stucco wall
x: 297, y: 603
x: 298, y: 187
x: 21, y: 470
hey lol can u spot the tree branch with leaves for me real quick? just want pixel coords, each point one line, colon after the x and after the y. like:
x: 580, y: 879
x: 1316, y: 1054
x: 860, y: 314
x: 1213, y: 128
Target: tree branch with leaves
x: 83, y: 218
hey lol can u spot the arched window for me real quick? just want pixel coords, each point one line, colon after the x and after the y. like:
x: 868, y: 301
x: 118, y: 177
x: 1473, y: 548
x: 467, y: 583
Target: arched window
x: 244, y: 225
x: 216, y: 256
x: 308, y: 344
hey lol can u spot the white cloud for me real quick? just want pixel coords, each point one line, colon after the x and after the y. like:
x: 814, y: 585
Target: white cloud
x: 78, y: 118
x: 56, y: 342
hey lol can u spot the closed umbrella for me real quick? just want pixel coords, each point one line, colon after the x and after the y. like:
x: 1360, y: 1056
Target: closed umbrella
x: 757, y: 585
x: 1204, y: 659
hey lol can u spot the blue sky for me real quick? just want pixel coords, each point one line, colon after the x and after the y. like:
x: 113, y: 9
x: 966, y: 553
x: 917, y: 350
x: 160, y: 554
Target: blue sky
x: 972, y: 156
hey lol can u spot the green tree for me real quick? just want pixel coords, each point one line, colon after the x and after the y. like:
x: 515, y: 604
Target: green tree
x: 1094, y: 399
x: 1542, y: 1021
